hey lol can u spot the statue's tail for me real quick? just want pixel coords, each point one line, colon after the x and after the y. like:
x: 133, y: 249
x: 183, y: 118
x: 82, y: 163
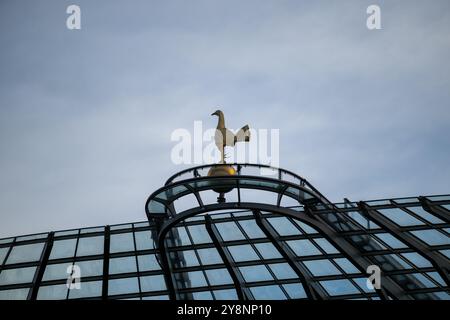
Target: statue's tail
x: 243, y: 135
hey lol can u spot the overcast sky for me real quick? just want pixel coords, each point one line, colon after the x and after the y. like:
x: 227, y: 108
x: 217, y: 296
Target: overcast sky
x: 86, y: 115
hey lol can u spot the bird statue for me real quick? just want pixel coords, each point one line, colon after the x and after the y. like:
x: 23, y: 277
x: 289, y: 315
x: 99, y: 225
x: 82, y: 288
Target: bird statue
x: 226, y: 138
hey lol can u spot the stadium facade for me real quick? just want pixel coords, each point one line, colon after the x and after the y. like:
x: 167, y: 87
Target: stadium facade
x: 258, y: 233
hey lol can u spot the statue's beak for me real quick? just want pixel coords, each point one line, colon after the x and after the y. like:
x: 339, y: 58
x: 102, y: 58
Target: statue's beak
x: 214, y: 113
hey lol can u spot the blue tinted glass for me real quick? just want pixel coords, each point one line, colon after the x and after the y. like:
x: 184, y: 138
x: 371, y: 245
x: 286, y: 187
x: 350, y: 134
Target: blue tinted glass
x: 295, y: 290
x: 326, y: 246
x: 25, y: 253
x: 283, y: 226
x: 153, y: 283
x: 148, y: 262
x: 121, y: 242
x: 283, y: 271
x: 218, y: 277
x: 255, y: 273
x: 303, y: 247
x: 432, y: 237
x: 163, y: 297
x: 321, y: 267
x: 209, y: 256
x: 417, y: 259
x: 400, y: 217
x: 190, y: 259
x: 445, y: 252
x: 3, y: 252
x: 19, y: 275
x: 306, y: 228
x: 268, y: 250
x: 243, y: 253
x: 57, y: 292
x: 56, y: 271
x: 229, y: 231
x: 144, y: 240
x: 346, y: 265
x: 363, y: 221
x: 252, y: 229
x: 362, y: 283
x: 390, y: 240
x: 197, y: 279
x: 90, y: 268
x: 203, y: 295
x: 14, y: 294
x: 90, y: 246
x: 228, y: 294
x: 63, y: 249
x: 339, y: 287
x: 425, y: 214
x: 122, y: 265
x: 268, y: 293
x: 437, y: 278
x: 87, y: 290
x: 122, y: 286
x: 199, y: 234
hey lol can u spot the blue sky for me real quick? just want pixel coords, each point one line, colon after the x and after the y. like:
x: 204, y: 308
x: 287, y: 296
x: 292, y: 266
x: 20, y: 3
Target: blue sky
x: 86, y: 116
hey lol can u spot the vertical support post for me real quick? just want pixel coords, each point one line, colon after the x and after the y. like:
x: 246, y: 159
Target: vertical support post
x: 106, y: 250
x: 32, y: 294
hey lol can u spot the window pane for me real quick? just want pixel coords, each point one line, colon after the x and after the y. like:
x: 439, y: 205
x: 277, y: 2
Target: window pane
x: 121, y: 242
x: 390, y: 240
x: 229, y: 231
x: 199, y: 234
x: 25, y: 253
x: 63, y: 249
x: 190, y: 259
x: 56, y: 271
x: 303, y: 248
x: 252, y: 229
x: 425, y: 214
x: 431, y: 237
x: 19, y: 275
x: 123, y: 286
x: 295, y: 290
x: 321, y: 267
x: 268, y: 250
x: 362, y: 283
x: 209, y: 256
x: 87, y: 290
x: 306, y: 228
x: 197, y: 278
x: 268, y: 293
x: 283, y: 226
x: 346, y: 265
x: 3, y: 252
x: 148, y: 262
x: 339, y: 287
x: 400, y: 217
x: 283, y: 271
x: 202, y: 295
x: 144, y: 240
x: 122, y: 265
x: 218, y: 277
x: 90, y: 246
x: 243, y: 253
x: 417, y: 259
x: 153, y: 283
x: 229, y: 294
x: 57, y: 292
x: 255, y: 273
x: 14, y: 294
x: 326, y: 246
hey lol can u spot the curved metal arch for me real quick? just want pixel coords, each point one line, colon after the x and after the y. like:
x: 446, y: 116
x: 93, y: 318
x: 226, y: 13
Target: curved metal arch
x: 343, y: 245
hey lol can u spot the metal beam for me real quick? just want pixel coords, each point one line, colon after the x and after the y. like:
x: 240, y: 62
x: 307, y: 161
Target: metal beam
x: 32, y: 294
x: 106, y: 250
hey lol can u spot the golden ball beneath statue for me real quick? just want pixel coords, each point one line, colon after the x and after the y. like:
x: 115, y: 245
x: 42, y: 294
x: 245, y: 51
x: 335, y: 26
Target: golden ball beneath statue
x: 222, y: 170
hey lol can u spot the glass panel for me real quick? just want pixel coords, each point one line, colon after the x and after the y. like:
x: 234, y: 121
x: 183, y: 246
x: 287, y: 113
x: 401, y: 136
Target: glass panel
x: 56, y: 271
x: 432, y: 237
x: 121, y: 226
x: 229, y: 231
x: 148, y: 262
x: 268, y: 293
x: 32, y: 237
x: 255, y: 273
x: 268, y: 250
x: 63, y: 249
x: 90, y: 268
x: 425, y: 214
x: 19, y: 275
x: 400, y: 217
x: 57, y: 292
x: 306, y: 228
x: 417, y: 259
x: 303, y: 247
x: 326, y: 246
x: 321, y: 267
x: 346, y: 265
x: 90, y: 246
x: 362, y: 283
x: 390, y: 240
x: 121, y: 242
x: 25, y: 253
x: 355, y: 215
x: 190, y: 259
x: 123, y: 286
x: 283, y: 226
x: 199, y: 234
x: 92, y: 230
x: 229, y: 294
x: 209, y: 256
x: 252, y: 229
x: 295, y: 290
x: 122, y: 265
x: 436, y: 277
x: 14, y: 294
x: 339, y: 287
x: 163, y: 297
x: 243, y: 253
x: 144, y: 240
x: 218, y: 277
x: 153, y: 283
x: 283, y: 271
x: 179, y: 237
x: 202, y: 295
x: 87, y: 290
x: 445, y: 253
x: 197, y: 279
x: 3, y: 252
